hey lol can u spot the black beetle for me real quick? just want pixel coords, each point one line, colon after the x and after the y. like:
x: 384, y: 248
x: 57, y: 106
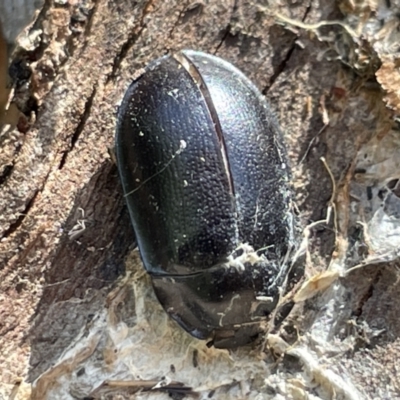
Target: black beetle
x: 206, y: 179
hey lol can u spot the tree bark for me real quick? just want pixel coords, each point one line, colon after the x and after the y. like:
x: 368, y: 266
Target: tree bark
x: 76, y: 308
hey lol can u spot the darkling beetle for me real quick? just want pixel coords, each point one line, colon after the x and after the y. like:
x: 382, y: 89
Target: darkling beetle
x: 206, y: 179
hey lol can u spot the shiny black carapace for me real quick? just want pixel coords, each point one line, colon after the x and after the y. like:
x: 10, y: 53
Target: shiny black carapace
x: 206, y: 179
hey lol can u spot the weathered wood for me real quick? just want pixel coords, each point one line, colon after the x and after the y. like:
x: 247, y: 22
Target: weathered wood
x: 69, y: 319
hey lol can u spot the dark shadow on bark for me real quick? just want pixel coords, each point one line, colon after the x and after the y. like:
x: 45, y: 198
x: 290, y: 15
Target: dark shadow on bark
x: 85, y: 267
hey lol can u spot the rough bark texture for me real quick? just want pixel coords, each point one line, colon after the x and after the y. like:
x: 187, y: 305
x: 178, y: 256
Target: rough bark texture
x: 76, y: 309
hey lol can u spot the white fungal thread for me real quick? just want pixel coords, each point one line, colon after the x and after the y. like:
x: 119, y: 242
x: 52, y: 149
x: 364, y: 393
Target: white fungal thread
x: 79, y: 227
x: 257, y: 211
x: 182, y: 146
x: 229, y: 308
x: 249, y: 255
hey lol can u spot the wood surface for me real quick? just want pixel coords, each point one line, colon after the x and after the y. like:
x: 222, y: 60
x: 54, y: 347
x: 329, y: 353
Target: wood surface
x: 65, y: 233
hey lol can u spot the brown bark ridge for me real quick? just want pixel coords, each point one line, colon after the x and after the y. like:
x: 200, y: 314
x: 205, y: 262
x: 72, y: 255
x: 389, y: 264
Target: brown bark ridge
x: 78, y: 318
